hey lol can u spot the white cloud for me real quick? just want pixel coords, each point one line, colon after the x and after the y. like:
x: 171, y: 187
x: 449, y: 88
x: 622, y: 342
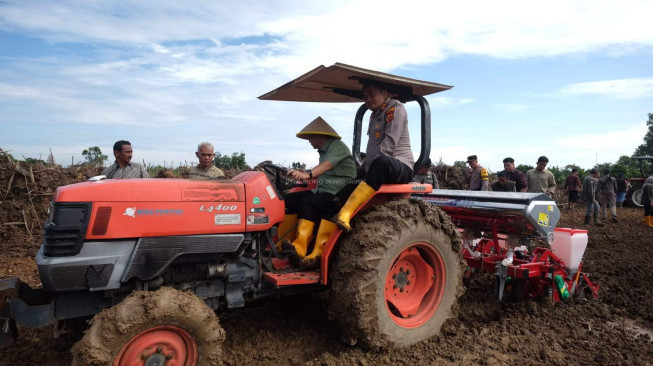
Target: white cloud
x: 620, y: 88
x: 12, y: 91
x: 183, y: 72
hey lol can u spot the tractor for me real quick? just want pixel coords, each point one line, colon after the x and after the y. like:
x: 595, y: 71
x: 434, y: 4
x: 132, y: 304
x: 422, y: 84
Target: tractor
x: 635, y: 193
x: 150, y: 260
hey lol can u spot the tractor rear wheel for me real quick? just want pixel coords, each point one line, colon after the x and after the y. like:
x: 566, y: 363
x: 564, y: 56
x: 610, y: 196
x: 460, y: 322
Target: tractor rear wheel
x: 636, y: 198
x: 397, y: 276
x: 166, y: 326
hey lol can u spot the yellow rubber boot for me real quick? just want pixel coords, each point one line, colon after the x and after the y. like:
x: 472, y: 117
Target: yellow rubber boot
x: 323, y: 234
x: 299, y: 246
x: 647, y: 222
x: 650, y: 221
x: 361, y: 194
x: 287, y: 229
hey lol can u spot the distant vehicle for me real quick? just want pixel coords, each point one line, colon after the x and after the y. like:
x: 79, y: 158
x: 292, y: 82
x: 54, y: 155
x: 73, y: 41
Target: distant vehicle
x: 635, y: 194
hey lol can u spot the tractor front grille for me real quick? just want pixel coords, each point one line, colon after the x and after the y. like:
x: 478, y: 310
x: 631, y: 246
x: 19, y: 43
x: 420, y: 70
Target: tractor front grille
x: 65, y: 228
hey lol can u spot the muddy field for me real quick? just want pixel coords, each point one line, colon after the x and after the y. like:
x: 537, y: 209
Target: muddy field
x: 615, y: 330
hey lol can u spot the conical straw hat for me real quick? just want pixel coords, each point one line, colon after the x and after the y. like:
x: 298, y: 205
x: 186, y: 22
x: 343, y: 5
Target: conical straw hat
x: 317, y: 127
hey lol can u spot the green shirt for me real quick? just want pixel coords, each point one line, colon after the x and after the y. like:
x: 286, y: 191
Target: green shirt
x: 344, y: 169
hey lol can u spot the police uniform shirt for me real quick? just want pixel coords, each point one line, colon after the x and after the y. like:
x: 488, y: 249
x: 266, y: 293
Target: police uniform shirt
x: 428, y: 178
x: 388, y: 134
x: 479, y: 179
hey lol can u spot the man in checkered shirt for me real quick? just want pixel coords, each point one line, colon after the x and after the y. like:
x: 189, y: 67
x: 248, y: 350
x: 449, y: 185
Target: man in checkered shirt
x: 123, y: 168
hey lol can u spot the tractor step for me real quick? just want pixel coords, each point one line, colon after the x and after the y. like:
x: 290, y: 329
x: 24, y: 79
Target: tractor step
x: 292, y: 278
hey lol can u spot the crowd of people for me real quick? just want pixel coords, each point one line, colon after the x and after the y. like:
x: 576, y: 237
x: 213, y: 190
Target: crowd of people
x: 599, y: 193
x: 343, y: 185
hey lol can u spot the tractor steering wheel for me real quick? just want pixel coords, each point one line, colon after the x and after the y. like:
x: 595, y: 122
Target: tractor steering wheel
x: 281, y: 182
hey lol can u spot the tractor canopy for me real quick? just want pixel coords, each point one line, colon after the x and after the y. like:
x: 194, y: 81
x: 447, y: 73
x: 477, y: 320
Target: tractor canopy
x: 341, y: 83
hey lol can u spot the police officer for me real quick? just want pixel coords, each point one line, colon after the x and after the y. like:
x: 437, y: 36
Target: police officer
x: 389, y: 158
x: 479, y: 178
x: 425, y: 176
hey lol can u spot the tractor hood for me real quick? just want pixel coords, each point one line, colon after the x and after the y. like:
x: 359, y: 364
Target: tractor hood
x: 342, y: 83
x: 151, y: 190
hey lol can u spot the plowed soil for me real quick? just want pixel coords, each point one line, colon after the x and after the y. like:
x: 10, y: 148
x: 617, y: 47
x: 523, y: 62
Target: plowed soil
x: 615, y: 330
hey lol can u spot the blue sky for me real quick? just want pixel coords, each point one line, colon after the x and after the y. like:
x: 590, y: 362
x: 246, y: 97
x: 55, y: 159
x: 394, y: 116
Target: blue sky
x: 572, y: 80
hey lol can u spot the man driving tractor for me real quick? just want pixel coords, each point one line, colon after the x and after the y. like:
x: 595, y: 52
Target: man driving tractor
x: 335, y: 170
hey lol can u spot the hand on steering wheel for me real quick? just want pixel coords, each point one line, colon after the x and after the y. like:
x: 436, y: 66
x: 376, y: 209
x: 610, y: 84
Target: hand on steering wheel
x: 299, y: 175
x: 281, y: 183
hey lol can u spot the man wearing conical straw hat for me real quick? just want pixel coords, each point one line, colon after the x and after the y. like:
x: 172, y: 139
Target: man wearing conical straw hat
x: 335, y: 171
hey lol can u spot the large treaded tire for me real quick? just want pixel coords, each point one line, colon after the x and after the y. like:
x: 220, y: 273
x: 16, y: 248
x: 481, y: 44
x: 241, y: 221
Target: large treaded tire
x: 114, y: 330
x: 362, y: 274
x: 636, y: 198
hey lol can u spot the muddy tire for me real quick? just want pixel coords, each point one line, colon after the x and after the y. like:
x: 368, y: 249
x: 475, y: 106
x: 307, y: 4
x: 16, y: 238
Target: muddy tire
x: 398, y: 275
x: 151, y: 326
x: 636, y: 198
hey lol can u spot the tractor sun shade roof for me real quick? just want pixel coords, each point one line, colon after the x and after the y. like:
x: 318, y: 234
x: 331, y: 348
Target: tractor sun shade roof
x: 342, y: 83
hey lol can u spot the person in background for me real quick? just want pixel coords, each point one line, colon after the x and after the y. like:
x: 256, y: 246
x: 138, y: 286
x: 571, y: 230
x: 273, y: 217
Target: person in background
x: 389, y: 158
x: 622, y: 189
x: 607, y: 190
x: 589, y: 196
x: 123, y: 168
x: 573, y: 186
x: 205, y: 169
x: 515, y: 175
x: 503, y: 184
x: 479, y: 178
x: 336, y: 169
x: 647, y: 201
x: 425, y: 176
x: 540, y: 180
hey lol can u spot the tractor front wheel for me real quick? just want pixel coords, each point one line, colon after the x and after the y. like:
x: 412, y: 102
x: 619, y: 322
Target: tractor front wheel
x: 397, y: 275
x: 166, y: 326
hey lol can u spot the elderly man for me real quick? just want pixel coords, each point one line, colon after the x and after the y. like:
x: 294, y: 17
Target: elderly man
x: 515, y: 175
x: 123, y: 168
x: 336, y: 169
x: 205, y: 169
x: 540, y: 180
x: 479, y: 178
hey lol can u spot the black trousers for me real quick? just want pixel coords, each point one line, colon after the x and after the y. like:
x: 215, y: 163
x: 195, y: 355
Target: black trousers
x: 384, y: 170
x: 648, y: 210
x: 311, y: 206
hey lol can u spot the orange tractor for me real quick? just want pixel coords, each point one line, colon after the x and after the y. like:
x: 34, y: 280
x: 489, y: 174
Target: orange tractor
x: 149, y: 260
